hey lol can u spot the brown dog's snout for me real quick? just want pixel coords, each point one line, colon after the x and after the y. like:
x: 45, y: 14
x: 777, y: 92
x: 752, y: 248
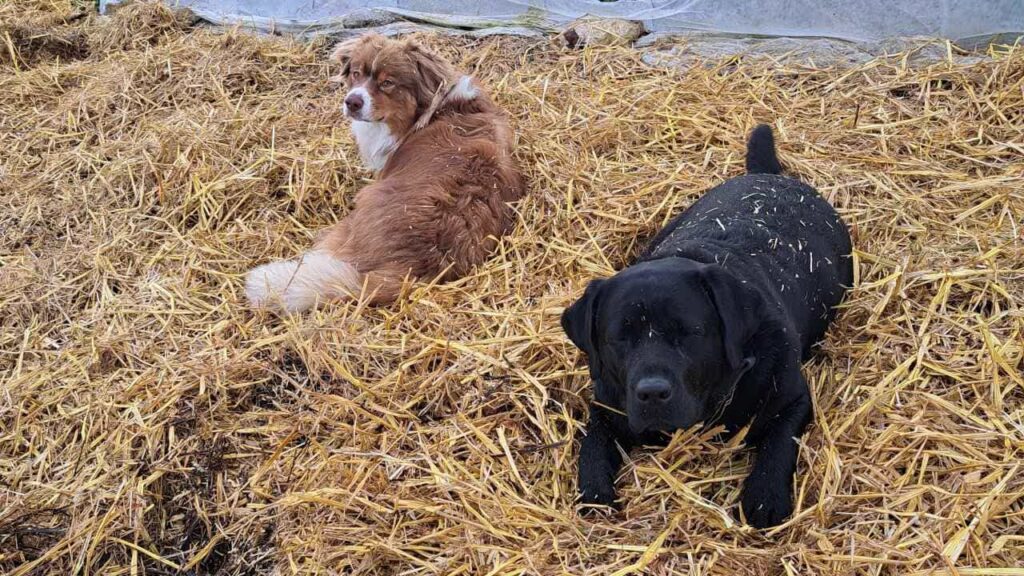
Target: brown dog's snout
x: 653, y: 391
x: 354, y: 102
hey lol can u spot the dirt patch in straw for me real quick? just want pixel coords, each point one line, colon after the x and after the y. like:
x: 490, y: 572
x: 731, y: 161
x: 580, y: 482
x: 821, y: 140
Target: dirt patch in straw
x: 151, y: 423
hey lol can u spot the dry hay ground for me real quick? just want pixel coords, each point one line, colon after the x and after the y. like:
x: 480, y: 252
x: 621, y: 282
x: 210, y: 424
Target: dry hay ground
x: 150, y: 423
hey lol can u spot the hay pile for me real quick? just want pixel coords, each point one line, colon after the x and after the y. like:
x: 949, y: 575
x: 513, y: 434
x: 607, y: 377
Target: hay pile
x: 151, y: 424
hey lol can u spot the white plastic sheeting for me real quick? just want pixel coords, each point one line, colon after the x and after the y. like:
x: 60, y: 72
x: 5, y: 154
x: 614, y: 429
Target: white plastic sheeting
x: 968, y: 22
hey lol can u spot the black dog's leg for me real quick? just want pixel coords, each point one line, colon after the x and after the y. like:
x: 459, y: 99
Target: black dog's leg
x: 600, y: 458
x: 768, y: 494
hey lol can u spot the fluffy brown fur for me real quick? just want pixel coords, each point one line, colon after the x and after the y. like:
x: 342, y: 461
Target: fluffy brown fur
x: 446, y: 177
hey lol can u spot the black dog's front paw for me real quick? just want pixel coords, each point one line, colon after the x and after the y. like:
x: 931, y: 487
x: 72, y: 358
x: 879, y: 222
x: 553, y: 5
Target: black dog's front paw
x: 600, y: 460
x: 766, y: 503
x: 597, y: 493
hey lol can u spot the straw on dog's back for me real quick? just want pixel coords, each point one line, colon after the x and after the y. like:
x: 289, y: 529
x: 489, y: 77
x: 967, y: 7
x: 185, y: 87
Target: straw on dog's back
x: 776, y: 232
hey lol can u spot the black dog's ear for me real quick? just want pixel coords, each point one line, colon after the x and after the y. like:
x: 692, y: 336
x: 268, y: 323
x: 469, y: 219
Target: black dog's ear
x: 739, y: 309
x: 578, y: 322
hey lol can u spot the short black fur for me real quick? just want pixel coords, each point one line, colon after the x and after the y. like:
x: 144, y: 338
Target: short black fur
x: 711, y: 324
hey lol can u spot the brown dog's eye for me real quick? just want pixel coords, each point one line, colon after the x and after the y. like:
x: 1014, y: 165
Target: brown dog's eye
x: 356, y: 74
x: 386, y: 84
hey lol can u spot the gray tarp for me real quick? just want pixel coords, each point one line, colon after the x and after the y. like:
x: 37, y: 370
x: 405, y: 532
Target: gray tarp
x: 967, y: 22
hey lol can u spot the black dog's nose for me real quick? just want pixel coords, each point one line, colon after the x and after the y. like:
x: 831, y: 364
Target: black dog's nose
x: 653, y: 390
x: 354, y: 102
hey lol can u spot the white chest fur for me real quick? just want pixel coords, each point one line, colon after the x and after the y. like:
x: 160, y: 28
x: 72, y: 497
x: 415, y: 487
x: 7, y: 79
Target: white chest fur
x: 375, y: 142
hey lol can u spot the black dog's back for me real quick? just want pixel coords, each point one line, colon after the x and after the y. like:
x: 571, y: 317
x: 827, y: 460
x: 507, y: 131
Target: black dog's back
x: 773, y: 232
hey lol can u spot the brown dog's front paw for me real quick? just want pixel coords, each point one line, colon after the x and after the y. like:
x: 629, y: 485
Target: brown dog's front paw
x: 766, y: 504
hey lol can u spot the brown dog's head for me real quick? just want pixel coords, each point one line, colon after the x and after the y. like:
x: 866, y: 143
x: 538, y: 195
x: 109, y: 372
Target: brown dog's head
x: 390, y: 81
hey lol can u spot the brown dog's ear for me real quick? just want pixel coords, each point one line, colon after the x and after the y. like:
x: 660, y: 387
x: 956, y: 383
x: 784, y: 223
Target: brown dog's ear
x: 342, y: 53
x: 740, y: 311
x: 578, y: 324
x: 436, y: 74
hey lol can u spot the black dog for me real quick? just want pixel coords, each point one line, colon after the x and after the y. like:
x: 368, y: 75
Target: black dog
x: 711, y: 325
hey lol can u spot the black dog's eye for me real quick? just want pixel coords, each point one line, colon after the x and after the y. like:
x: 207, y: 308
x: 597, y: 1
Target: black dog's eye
x: 622, y: 334
x: 629, y: 334
x: 622, y: 338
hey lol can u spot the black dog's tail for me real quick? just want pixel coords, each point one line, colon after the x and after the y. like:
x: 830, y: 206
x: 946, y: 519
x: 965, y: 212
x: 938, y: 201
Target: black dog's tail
x: 761, y: 158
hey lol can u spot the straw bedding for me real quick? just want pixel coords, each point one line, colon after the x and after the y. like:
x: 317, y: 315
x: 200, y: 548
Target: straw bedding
x: 150, y: 423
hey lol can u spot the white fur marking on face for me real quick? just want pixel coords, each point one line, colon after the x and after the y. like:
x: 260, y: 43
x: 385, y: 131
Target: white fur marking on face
x: 464, y: 89
x: 296, y: 285
x: 366, y: 112
x: 375, y: 141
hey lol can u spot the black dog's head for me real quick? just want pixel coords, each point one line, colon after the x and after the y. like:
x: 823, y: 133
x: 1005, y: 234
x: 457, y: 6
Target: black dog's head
x: 666, y: 340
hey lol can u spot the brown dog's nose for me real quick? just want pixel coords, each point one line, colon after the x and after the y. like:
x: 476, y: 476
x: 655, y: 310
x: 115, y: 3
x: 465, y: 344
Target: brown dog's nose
x: 354, y: 102
x: 653, y: 391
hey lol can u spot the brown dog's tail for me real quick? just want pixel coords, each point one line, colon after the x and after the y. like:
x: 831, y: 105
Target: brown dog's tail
x: 297, y: 285
x: 761, y: 158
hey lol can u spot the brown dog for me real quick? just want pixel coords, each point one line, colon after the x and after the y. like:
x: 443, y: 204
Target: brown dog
x: 443, y: 153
